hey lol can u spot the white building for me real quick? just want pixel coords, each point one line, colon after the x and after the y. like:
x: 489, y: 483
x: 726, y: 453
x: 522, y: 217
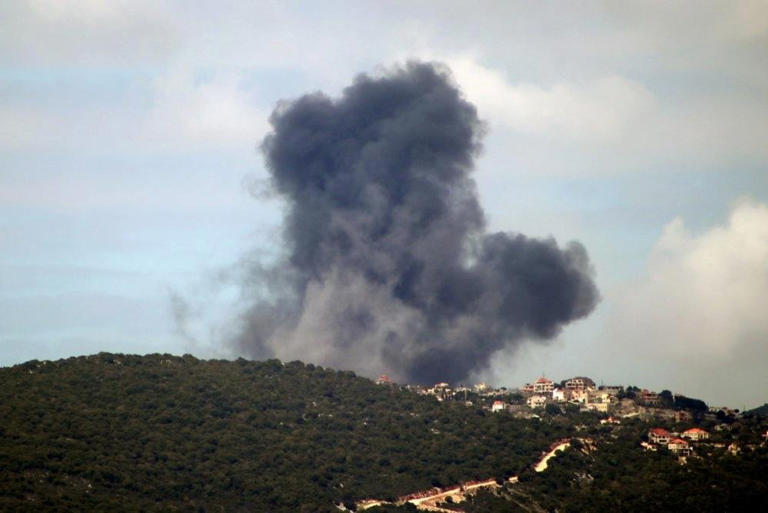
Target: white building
x: 536, y: 401
x: 580, y: 396
x: 580, y: 383
x: 498, y: 406
x: 602, y: 397
x: 600, y: 407
x: 695, y: 434
x: 679, y: 447
x: 543, y: 386
x: 659, y: 436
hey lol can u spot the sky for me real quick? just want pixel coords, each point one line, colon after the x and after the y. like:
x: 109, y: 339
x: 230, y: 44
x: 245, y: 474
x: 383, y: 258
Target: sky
x: 132, y: 185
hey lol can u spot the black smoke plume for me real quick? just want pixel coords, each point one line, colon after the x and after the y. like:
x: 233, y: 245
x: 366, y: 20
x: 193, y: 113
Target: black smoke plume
x: 387, y: 266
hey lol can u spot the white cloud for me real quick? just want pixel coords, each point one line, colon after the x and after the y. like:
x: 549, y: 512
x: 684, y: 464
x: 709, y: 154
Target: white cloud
x: 701, y: 309
x: 86, y: 32
x: 184, y: 110
x: 709, y: 291
x: 603, y: 109
x: 618, y: 124
x: 211, y: 111
x: 746, y: 20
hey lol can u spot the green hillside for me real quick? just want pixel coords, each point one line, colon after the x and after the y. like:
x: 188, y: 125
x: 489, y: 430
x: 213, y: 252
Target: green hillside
x: 165, y: 433
x: 118, y: 432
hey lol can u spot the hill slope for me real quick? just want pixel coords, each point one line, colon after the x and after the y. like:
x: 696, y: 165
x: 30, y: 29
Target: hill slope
x: 760, y: 410
x: 158, y: 432
x: 121, y: 432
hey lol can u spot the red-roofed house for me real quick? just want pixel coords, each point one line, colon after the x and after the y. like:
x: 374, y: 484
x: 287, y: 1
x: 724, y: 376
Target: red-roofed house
x: 695, y: 434
x: 659, y: 436
x: 543, y: 386
x: 679, y: 447
x: 498, y: 406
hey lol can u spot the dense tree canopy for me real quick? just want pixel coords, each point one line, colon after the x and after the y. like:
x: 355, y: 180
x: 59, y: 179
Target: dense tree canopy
x: 143, y: 432
x: 136, y: 433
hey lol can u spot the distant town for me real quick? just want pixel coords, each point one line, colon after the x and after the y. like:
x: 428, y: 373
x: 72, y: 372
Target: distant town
x: 580, y: 393
x: 613, y: 403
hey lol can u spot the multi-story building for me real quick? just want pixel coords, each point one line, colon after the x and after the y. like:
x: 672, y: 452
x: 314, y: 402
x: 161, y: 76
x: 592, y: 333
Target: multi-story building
x: 695, y: 434
x: 536, y: 401
x: 580, y: 383
x: 601, y: 407
x: 659, y: 436
x: 543, y: 386
x: 579, y: 396
x: 648, y: 397
x: 679, y: 447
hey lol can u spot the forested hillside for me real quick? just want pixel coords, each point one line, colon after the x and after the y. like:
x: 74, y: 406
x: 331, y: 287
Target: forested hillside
x: 607, y: 470
x: 617, y: 475
x: 163, y: 433
x: 118, y: 432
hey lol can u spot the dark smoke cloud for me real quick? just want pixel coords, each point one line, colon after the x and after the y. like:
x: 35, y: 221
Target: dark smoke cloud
x: 387, y: 266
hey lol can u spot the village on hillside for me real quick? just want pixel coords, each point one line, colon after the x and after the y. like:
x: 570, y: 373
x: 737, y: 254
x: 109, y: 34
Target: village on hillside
x: 612, y: 403
x: 575, y: 394
x: 671, y: 424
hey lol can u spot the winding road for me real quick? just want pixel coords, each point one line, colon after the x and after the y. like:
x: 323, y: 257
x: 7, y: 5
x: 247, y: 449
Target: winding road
x: 429, y: 502
x: 542, y: 463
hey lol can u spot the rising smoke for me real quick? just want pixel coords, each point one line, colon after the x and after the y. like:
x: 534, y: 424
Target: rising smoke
x: 387, y: 267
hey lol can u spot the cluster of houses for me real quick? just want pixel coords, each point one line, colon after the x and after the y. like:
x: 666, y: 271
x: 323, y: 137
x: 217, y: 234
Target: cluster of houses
x: 610, y: 400
x: 583, y: 392
x: 678, y: 444
x: 580, y: 390
x: 444, y: 391
x: 682, y: 444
